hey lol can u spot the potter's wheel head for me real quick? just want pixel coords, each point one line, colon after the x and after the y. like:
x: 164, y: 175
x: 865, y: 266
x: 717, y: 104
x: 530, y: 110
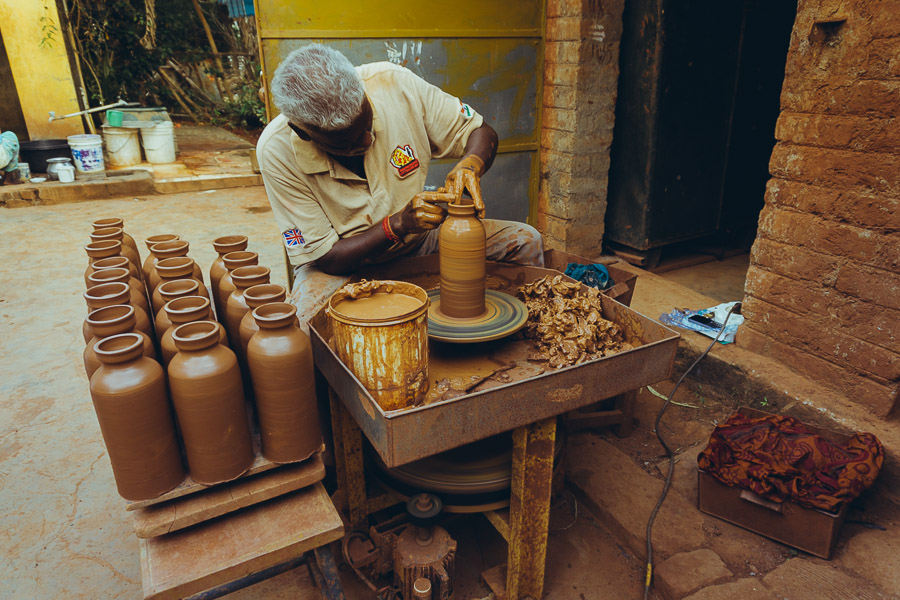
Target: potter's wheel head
x: 504, y: 315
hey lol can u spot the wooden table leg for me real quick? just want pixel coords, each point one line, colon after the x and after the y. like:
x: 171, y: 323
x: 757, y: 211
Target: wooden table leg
x: 529, y: 510
x: 330, y: 585
x: 348, y: 458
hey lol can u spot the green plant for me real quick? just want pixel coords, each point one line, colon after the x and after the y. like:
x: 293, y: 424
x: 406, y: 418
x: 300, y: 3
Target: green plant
x: 48, y: 28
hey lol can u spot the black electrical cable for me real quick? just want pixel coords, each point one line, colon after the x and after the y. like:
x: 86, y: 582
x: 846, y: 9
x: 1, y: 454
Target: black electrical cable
x: 671, y: 455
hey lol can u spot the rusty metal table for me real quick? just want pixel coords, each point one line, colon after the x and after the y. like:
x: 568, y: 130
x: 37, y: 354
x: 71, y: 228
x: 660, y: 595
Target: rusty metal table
x: 527, y: 402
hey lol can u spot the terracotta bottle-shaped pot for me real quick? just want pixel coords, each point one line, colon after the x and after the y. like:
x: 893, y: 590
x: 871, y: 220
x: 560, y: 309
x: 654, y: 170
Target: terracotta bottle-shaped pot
x: 281, y: 363
x: 112, y: 320
x: 151, y: 260
x: 127, y: 240
x: 206, y: 389
x: 185, y: 310
x: 137, y: 296
x: 129, y: 394
x: 119, y: 262
x: 223, y: 245
x: 105, y: 249
x: 107, y: 294
x: 116, y: 233
x: 255, y: 296
x: 232, y: 260
x: 172, y: 269
x: 462, y: 262
x: 236, y: 307
x: 164, y: 250
x: 171, y: 290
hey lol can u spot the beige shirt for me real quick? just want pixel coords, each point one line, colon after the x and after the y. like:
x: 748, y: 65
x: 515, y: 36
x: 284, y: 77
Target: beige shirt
x: 316, y: 200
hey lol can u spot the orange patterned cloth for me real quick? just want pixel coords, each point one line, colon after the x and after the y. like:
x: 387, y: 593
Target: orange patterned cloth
x: 778, y: 458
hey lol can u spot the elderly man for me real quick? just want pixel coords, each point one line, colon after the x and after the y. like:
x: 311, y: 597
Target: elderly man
x: 345, y: 162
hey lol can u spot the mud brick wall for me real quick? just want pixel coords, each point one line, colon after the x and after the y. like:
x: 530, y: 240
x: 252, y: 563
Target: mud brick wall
x: 823, y: 290
x: 581, y: 71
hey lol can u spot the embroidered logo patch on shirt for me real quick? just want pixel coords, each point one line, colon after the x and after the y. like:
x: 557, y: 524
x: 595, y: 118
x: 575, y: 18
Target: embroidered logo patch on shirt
x: 466, y: 110
x: 293, y: 237
x: 404, y: 160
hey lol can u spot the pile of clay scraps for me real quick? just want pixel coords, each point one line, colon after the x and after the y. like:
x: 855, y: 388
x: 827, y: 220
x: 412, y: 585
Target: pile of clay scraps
x: 567, y: 323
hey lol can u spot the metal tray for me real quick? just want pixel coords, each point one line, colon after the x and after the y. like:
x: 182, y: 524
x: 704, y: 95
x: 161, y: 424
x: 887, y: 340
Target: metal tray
x: 527, y: 392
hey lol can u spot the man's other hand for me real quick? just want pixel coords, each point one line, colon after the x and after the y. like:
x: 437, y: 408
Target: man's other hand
x: 423, y: 211
x: 466, y: 177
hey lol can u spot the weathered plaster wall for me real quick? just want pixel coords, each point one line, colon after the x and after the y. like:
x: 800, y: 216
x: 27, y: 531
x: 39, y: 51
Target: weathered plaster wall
x: 581, y: 70
x: 823, y: 290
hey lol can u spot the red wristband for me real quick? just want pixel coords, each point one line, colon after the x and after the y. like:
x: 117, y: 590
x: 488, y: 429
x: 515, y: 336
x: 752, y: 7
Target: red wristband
x: 386, y: 225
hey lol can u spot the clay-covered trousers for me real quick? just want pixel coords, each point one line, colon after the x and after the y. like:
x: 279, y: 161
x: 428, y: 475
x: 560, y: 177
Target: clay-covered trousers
x: 506, y: 241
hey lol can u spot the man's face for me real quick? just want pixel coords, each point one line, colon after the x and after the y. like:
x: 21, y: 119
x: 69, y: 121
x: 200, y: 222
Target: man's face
x: 353, y: 140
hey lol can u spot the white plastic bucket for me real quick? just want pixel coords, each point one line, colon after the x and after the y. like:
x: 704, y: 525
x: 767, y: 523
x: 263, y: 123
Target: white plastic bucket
x: 87, y: 152
x: 122, y: 146
x: 159, y: 142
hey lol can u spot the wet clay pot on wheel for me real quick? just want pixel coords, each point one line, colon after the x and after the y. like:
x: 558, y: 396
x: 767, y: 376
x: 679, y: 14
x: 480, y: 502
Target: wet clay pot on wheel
x: 185, y: 310
x: 166, y: 250
x: 205, y: 382
x: 462, y: 263
x: 127, y: 240
x: 171, y: 290
x: 255, y: 296
x: 138, y: 298
x: 109, y: 321
x: 106, y: 249
x: 151, y: 260
x: 173, y: 269
x: 223, y: 245
x: 116, y: 233
x: 236, y: 307
x: 108, y: 294
x: 233, y: 260
x: 281, y: 363
x: 129, y: 394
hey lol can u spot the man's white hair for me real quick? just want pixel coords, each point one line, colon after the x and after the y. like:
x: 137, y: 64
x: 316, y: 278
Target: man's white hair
x: 317, y: 85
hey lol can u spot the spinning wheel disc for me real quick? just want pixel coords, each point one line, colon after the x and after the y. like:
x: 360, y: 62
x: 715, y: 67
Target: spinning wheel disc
x: 504, y: 315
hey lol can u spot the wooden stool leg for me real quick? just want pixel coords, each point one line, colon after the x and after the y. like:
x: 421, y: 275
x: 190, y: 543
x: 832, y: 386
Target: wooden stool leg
x: 330, y: 583
x: 529, y: 509
x: 348, y: 456
x: 625, y: 403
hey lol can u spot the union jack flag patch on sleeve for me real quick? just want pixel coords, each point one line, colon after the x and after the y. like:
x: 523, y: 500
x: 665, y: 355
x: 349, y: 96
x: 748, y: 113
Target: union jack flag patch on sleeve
x: 293, y: 237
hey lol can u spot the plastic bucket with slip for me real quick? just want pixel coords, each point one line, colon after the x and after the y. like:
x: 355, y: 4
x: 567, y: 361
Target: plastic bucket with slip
x: 381, y: 333
x: 87, y: 152
x: 159, y: 142
x: 122, y: 146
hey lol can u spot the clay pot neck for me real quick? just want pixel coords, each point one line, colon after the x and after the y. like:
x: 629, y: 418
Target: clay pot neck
x: 158, y: 239
x: 230, y: 243
x: 120, y: 348
x: 108, y: 222
x: 196, y: 336
x: 188, y: 309
x: 164, y: 250
x: 103, y: 249
x: 177, y: 267
x: 275, y: 315
x: 245, y: 277
x: 107, y: 233
x: 115, y: 275
x: 178, y: 288
x: 241, y: 258
x: 106, y: 294
x: 461, y: 210
x: 112, y: 262
x: 265, y: 293
x: 112, y: 320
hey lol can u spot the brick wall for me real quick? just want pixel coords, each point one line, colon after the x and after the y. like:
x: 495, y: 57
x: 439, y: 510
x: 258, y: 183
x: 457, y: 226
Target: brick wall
x: 581, y: 70
x: 823, y: 290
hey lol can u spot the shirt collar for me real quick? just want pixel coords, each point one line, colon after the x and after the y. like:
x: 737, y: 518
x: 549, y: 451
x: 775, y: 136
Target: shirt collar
x: 311, y: 159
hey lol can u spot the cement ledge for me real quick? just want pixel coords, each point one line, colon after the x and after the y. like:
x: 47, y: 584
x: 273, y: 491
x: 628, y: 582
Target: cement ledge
x: 120, y: 183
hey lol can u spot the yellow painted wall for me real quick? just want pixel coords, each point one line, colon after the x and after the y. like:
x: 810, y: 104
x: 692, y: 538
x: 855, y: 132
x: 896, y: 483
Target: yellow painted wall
x: 41, y: 72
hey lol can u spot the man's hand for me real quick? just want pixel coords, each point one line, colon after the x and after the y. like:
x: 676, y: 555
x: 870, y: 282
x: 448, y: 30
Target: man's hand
x: 466, y: 176
x: 422, y: 213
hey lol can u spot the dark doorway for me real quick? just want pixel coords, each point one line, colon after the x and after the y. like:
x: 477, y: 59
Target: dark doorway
x: 11, y: 116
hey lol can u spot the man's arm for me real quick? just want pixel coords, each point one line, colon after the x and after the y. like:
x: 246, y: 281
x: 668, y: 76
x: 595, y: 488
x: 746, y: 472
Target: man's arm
x: 483, y: 143
x: 481, y: 148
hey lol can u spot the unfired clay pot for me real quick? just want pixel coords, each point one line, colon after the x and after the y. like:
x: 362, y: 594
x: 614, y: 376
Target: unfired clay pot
x: 138, y: 298
x: 116, y: 233
x: 223, y: 245
x: 236, y: 307
x: 117, y: 222
x: 105, y: 249
x: 170, y: 290
x: 232, y: 260
x: 281, y: 363
x: 107, y: 294
x: 129, y: 394
x: 112, y: 320
x: 255, y: 296
x: 150, y: 242
x: 462, y: 262
x: 165, y: 250
x: 173, y: 269
x: 181, y: 311
x: 118, y: 262
x: 205, y: 382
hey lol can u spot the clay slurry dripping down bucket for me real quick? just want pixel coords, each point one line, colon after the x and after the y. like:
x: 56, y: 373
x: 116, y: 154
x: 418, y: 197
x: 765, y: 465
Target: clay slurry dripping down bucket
x: 381, y: 333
